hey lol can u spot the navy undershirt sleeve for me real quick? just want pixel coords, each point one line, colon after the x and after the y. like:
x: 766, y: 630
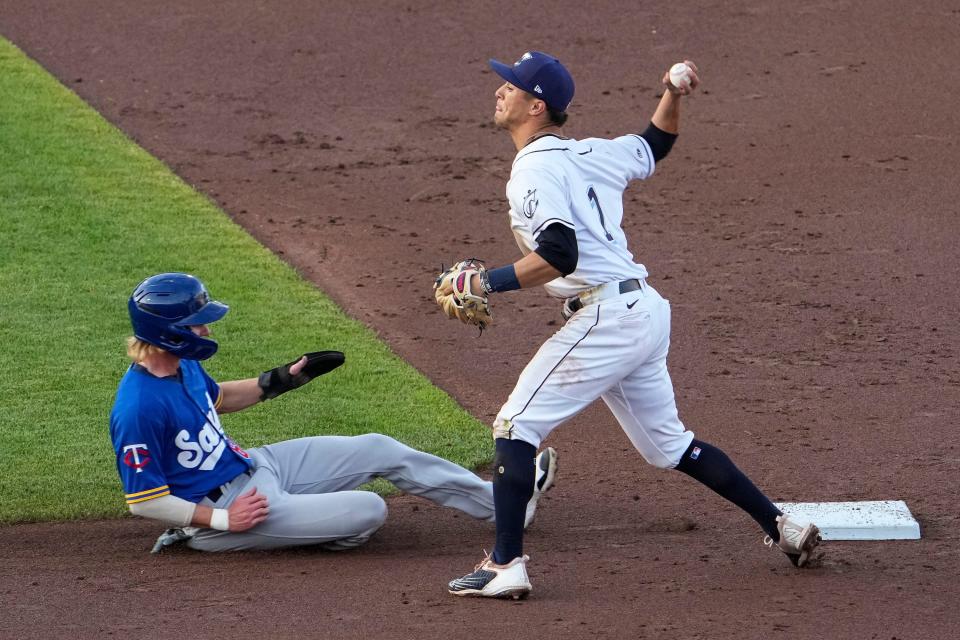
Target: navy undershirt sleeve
x: 558, y: 246
x: 659, y: 140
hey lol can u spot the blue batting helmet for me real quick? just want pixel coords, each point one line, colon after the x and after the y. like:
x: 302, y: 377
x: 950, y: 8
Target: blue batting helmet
x: 164, y: 307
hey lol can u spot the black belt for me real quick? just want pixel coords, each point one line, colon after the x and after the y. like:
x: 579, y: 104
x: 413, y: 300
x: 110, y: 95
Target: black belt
x: 626, y: 286
x: 217, y: 492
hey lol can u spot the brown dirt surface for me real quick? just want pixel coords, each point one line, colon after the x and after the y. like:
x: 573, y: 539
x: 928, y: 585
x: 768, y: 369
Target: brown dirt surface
x: 804, y: 228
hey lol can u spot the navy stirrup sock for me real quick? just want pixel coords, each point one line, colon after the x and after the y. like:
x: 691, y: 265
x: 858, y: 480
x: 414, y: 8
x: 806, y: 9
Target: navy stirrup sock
x: 711, y: 467
x: 513, y: 474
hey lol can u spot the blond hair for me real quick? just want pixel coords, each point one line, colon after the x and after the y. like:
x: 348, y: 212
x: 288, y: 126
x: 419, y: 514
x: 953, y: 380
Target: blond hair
x: 138, y: 350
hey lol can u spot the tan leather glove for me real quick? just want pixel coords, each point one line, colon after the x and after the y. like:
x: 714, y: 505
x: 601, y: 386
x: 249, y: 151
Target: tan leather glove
x: 454, y: 293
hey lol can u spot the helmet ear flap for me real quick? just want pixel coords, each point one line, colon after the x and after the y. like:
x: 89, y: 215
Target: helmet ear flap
x: 163, y: 307
x: 184, y: 343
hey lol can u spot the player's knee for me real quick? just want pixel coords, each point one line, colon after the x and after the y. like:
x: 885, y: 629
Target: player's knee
x: 374, y: 439
x: 502, y: 428
x: 370, y: 513
x: 661, y: 461
x: 391, y: 454
x: 668, y: 453
x: 386, y: 448
x: 378, y: 441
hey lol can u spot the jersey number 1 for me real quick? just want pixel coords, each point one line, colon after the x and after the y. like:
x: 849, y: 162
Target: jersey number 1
x: 595, y: 203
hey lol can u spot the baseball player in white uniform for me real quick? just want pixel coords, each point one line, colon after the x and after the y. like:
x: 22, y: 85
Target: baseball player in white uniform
x: 178, y: 465
x: 566, y: 209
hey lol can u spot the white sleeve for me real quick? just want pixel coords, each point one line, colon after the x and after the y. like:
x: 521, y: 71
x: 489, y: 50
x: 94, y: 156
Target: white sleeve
x: 633, y: 154
x: 539, y: 196
x: 170, y: 509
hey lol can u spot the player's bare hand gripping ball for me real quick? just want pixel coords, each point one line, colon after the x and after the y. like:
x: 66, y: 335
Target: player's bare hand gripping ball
x: 682, y: 78
x: 248, y: 510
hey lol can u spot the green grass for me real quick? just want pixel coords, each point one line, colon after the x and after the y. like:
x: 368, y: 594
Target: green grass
x: 85, y: 214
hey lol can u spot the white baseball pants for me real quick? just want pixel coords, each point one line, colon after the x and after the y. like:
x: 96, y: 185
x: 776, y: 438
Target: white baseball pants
x: 616, y: 350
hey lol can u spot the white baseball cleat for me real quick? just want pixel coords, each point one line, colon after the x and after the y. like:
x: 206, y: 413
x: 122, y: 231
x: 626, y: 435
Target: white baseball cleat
x: 491, y: 580
x: 798, y: 538
x: 546, y: 473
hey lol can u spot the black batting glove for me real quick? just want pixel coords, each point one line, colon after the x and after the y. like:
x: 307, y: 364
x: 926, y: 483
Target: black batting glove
x: 279, y: 380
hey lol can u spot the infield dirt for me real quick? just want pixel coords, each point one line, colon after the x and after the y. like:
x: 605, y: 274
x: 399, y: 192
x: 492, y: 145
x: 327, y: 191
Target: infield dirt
x: 804, y: 228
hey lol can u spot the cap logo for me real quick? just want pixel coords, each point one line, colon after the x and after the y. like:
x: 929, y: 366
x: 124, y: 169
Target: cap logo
x: 525, y: 56
x: 538, y: 89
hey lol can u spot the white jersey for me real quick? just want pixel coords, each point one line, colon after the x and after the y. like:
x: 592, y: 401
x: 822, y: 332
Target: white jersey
x: 580, y: 184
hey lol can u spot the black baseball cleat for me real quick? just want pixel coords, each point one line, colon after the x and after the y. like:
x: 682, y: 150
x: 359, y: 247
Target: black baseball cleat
x: 491, y: 580
x: 798, y: 539
x: 546, y: 473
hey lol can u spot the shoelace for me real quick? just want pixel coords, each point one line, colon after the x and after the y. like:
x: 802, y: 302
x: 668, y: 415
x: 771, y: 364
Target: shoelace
x: 486, y: 559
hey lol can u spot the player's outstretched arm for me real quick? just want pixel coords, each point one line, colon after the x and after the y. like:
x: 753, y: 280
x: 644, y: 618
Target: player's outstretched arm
x: 462, y: 290
x: 555, y: 257
x: 532, y: 271
x: 529, y: 271
x: 240, y: 394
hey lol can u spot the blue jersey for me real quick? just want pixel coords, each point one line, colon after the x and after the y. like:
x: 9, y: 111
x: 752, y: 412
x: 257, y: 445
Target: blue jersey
x: 167, y: 435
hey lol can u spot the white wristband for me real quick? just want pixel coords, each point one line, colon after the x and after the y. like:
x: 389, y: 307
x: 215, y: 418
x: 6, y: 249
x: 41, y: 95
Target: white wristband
x: 220, y: 520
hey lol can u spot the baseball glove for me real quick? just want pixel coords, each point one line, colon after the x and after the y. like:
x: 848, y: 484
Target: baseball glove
x: 455, y: 295
x: 279, y: 379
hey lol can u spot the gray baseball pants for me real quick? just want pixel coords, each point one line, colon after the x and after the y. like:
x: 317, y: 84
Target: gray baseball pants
x: 308, y: 485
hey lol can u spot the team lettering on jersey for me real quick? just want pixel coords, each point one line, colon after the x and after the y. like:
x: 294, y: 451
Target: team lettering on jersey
x: 204, y: 452
x: 580, y: 186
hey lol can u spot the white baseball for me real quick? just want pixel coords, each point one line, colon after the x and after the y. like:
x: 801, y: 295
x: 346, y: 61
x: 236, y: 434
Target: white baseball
x: 680, y: 76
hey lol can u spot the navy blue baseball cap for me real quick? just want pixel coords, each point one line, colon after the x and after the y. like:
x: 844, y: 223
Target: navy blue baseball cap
x: 541, y: 75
